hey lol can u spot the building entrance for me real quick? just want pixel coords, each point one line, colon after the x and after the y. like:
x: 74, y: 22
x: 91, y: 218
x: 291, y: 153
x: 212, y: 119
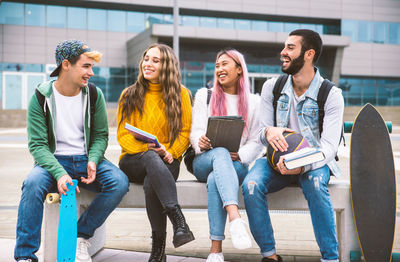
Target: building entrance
x: 18, y: 88
x: 257, y: 80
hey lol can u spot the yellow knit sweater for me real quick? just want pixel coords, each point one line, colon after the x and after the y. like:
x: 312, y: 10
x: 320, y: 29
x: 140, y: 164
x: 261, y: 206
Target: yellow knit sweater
x: 154, y: 121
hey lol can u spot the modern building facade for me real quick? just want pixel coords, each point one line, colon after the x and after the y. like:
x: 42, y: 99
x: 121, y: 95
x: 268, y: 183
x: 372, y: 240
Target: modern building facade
x: 361, y: 41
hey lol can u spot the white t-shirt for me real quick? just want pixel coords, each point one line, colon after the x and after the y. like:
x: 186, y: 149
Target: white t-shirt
x: 69, y: 124
x: 293, y: 118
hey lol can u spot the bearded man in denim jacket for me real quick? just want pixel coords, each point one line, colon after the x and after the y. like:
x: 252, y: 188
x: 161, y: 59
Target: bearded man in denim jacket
x: 297, y: 110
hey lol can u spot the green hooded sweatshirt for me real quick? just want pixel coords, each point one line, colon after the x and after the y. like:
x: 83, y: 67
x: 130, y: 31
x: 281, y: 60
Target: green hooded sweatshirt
x: 42, y: 138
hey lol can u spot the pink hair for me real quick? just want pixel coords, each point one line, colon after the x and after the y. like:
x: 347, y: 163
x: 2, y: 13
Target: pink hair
x: 218, y: 107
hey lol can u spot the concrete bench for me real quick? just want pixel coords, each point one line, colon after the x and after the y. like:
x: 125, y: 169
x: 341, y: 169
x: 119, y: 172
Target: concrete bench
x: 193, y: 195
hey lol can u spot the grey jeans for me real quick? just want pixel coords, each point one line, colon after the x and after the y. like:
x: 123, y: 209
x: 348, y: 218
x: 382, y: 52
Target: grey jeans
x: 158, y: 179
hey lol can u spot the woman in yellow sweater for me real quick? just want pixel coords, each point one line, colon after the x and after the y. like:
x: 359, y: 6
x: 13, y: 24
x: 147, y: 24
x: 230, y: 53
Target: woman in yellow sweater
x: 158, y: 104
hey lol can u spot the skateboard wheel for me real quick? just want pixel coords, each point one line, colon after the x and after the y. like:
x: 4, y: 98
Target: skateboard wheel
x: 355, y: 256
x: 52, y: 198
x: 348, y: 125
x: 396, y: 257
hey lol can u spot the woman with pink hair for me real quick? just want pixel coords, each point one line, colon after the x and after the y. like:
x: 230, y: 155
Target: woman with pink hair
x: 224, y: 171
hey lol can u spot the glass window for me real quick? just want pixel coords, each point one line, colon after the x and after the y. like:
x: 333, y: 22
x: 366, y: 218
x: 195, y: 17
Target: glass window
x: 308, y: 26
x: 97, y: 19
x: 241, y: 24
x: 13, y: 67
x: 116, y: 21
x: 394, y: 33
x: 383, y: 93
x: 275, y: 26
x: 380, y: 32
x: 116, y: 84
x: 135, y: 22
x: 169, y: 19
x: 369, y: 91
x: 13, y: 91
x: 225, y: 23
x: 56, y: 16
x: 190, y: 20
x: 364, y: 31
x: 349, y: 28
x: 331, y: 30
x: 34, y: 68
x: 35, y: 15
x: 259, y: 25
x: 117, y: 71
x: 153, y: 18
x: 100, y: 82
x: 77, y: 18
x: 12, y: 13
x: 208, y: 21
x: 254, y: 68
x: 319, y: 29
x: 289, y: 27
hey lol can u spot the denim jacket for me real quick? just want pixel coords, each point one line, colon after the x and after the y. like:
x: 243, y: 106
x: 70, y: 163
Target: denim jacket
x: 307, y: 112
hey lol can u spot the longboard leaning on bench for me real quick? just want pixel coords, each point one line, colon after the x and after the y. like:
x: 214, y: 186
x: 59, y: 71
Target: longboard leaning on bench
x: 372, y: 186
x: 67, y: 224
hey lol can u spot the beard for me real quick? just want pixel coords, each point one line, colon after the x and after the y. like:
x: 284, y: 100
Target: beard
x: 295, y: 65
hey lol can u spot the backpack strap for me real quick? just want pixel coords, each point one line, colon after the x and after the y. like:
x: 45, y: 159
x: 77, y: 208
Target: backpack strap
x: 209, y: 92
x: 93, y: 98
x: 41, y: 100
x: 321, y: 99
x: 323, y: 93
x: 279, y: 84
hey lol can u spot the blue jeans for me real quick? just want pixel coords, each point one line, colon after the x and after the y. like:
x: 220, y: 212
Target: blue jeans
x: 110, y: 181
x: 223, y: 177
x: 262, y: 180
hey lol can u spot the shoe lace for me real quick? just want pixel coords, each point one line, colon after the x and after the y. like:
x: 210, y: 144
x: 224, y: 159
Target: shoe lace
x: 157, y: 249
x: 82, y: 247
x: 177, y: 218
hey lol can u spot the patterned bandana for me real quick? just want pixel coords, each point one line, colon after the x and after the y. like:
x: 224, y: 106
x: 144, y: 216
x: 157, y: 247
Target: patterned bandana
x: 66, y: 50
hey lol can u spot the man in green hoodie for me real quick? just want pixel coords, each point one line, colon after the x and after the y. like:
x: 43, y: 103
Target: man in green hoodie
x: 67, y: 142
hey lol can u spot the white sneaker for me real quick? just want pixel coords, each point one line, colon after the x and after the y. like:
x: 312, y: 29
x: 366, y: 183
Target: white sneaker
x: 239, y: 234
x: 82, y: 254
x: 215, y: 257
x: 25, y: 260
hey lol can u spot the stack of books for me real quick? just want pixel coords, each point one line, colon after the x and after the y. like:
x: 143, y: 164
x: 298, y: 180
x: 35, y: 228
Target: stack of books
x: 303, y: 157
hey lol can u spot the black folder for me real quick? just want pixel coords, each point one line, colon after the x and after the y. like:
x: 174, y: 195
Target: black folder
x: 225, y: 131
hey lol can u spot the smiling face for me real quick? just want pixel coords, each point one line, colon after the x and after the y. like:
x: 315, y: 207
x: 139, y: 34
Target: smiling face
x: 81, y: 71
x: 151, y: 65
x: 227, y: 71
x: 292, y: 55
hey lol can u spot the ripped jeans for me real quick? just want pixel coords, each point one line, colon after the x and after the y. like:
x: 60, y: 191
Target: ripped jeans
x: 262, y: 179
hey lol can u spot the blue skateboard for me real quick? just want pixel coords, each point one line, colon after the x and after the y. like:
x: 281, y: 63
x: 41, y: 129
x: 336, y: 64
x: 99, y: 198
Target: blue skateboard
x: 67, y: 224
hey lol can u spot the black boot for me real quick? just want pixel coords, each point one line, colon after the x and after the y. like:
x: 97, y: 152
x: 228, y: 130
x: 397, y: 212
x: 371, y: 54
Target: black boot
x: 182, y: 233
x: 158, y: 247
x: 266, y: 259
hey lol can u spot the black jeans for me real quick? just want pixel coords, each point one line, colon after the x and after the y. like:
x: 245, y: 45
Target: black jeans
x: 158, y: 180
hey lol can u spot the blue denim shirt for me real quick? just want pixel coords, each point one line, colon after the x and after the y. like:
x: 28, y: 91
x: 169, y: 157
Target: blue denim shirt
x: 307, y: 112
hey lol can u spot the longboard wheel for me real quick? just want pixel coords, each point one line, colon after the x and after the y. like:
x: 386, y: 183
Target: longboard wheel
x: 348, y: 125
x: 355, y: 256
x: 396, y: 257
x: 52, y: 198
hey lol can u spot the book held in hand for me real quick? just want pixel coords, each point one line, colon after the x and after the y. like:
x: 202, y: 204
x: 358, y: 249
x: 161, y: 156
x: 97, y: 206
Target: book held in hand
x: 142, y: 135
x: 225, y: 131
x: 303, y: 157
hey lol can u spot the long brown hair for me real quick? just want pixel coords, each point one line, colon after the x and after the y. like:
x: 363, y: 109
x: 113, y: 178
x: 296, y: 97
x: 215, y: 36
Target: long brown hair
x: 170, y: 80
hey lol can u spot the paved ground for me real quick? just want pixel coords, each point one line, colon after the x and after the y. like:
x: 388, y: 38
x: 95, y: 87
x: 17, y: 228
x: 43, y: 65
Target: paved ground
x: 128, y: 231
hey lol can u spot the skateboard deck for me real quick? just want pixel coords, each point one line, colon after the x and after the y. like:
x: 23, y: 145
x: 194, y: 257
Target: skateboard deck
x: 373, y: 185
x: 67, y: 225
